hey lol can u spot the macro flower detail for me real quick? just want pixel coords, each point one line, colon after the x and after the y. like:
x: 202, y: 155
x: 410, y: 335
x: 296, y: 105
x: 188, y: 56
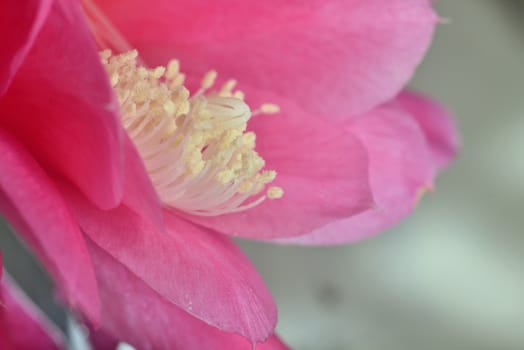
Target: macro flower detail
x: 199, y: 156
x: 127, y: 181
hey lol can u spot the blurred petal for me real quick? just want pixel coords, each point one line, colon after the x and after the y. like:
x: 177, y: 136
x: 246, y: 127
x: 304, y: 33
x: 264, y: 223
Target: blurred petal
x: 436, y: 122
x: 101, y: 340
x: 32, y: 204
x: 61, y: 106
x: 203, y: 273
x: 138, y: 315
x: 322, y: 169
x: 20, y: 22
x: 25, y: 326
x: 336, y: 58
x: 401, y: 169
x: 5, y: 339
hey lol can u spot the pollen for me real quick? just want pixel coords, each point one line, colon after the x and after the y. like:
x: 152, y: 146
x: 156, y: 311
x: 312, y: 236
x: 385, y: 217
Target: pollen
x: 196, y: 148
x: 269, y: 108
x: 275, y: 192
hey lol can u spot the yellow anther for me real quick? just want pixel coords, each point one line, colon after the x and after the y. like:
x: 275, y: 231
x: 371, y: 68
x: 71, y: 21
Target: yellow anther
x: 274, y: 192
x: 177, y: 81
x: 269, y: 108
x: 170, y: 107
x: 209, y: 79
x: 225, y: 176
x: 196, y: 149
x: 249, y: 139
x: 158, y: 72
x: 130, y: 55
x: 173, y: 68
x: 268, y: 176
x: 245, y: 186
x: 227, y: 88
x: 238, y: 94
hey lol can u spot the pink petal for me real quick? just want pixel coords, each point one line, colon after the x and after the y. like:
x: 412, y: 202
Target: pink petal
x: 336, y: 58
x: 401, y: 169
x: 200, y: 272
x: 5, y: 339
x: 100, y: 340
x: 32, y: 204
x: 273, y: 343
x: 25, y: 326
x: 437, y: 124
x: 136, y: 314
x: 322, y: 169
x: 139, y: 194
x: 20, y: 22
x: 61, y: 106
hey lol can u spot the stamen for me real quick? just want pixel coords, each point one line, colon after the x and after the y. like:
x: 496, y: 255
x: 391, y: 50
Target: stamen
x: 227, y: 88
x: 275, y: 192
x: 267, y: 108
x: 238, y: 94
x: 209, y: 79
x: 196, y: 149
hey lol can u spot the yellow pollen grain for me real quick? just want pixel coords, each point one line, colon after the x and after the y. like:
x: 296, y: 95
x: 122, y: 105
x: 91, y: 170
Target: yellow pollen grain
x: 158, y: 72
x: 238, y: 94
x: 225, y: 176
x: 269, y: 108
x: 228, y: 87
x: 249, y: 139
x: 196, y: 148
x: 170, y: 107
x: 177, y: 81
x: 268, y: 176
x: 209, y: 79
x: 275, y: 192
x: 173, y: 67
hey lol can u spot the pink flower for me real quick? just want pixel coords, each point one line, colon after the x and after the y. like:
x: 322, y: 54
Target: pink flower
x: 96, y: 205
x: 22, y: 326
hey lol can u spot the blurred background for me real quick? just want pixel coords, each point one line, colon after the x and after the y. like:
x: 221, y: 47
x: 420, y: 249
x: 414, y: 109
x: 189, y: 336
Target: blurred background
x: 452, y: 275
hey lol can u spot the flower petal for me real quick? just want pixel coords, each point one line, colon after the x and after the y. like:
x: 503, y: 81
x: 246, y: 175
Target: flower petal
x: 61, y: 106
x: 437, y: 124
x: 322, y: 168
x: 24, y: 325
x: 337, y: 58
x: 20, y: 22
x: 100, y: 340
x: 35, y: 208
x: 136, y: 314
x: 203, y: 273
x: 401, y: 169
x: 139, y: 194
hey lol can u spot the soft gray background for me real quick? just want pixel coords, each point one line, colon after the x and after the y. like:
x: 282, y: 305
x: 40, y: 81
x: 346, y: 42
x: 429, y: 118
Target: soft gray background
x: 451, y: 277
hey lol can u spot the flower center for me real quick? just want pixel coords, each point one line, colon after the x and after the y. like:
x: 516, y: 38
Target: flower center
x: 196, y: 149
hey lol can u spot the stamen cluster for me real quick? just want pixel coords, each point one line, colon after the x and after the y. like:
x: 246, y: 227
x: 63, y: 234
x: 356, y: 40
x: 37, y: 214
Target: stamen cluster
x: 196, y: 149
